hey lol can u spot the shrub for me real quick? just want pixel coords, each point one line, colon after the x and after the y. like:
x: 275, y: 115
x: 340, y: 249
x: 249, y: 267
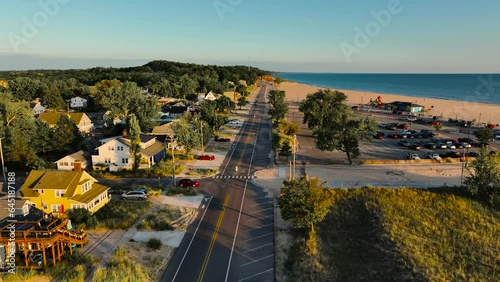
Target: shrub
x: 154, y: 244
x: 176, y: 191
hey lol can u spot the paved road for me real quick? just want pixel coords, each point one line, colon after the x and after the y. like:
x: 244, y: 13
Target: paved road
x: 232, y: 238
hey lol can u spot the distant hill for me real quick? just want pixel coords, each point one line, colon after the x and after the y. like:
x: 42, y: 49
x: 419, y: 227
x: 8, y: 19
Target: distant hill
x: 152, y: 72
x: 402, y: 235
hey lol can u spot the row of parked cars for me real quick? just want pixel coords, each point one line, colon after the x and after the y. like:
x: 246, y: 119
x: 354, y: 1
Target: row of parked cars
x: 438, y: 156
x: 406, y: 134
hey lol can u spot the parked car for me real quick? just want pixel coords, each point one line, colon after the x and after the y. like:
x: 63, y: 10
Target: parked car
x: 433, y: 156
x: 412, y: 156
x: 402, y: 126
x: 393, y: 136
x: 188, y: 182
x: 441, y: 145
x: 450, y: 146
x: 220, y: 139
x: 404, y: 143
x: 427, y: 132
x: 135, y: 195
x: 383, y: 125
x: 453, y: 154
x: 234, y: 121
x: 430, y: 145
x: 378, y: 135
x: 415, y: 147
x: 206, y: 157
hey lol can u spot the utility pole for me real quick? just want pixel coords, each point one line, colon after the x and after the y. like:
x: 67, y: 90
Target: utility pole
x: 201, y: 131
x: 3, y: 163
x: 294, y: 152
x: 465, y: 155
x: 173, y: 163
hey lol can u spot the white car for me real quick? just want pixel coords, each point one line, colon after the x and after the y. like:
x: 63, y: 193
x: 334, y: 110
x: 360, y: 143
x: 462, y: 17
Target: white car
x: 412, y: 156
x: 234, y: 121
x: 433, y: 156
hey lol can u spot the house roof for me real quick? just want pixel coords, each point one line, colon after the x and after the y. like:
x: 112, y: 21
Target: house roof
x: 77, y: 156
x: 153, y: 149
x: 53, y: 118
x: 96, y: 190
x: 163, y: 129
x: 53, y: 180
x: 144, y: 138
x: 4, y: 211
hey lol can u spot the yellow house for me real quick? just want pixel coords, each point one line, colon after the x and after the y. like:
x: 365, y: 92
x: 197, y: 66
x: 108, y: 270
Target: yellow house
x: 81, y: 120
x: 59, y: 191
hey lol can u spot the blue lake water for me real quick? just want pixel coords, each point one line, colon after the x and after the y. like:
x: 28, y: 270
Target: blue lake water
x: 483, y: 88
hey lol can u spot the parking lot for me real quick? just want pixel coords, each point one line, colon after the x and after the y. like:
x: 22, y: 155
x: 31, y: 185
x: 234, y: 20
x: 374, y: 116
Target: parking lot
x: 387, y: 148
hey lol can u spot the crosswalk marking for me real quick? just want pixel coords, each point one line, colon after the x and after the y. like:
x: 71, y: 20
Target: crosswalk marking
x: 233, y: 177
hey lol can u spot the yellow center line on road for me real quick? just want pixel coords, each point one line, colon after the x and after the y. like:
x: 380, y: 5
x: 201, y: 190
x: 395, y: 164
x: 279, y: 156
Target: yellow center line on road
x: 214, y: 237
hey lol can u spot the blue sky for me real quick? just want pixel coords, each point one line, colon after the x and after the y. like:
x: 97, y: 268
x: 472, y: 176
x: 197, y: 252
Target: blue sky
x: 283, y: 35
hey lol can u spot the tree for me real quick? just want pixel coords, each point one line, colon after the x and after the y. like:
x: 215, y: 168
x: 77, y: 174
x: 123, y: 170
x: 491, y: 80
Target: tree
x: 187, y: 85
x: 11, y: 110
x: 101, y: 89
x: 208, y: 111
x: 484, y: 179
x: 53, y: 97
x: 241, y: 89
x: 166, y: 88
x: 286, y: 149
x: 304, y: 202
x: 289, y: 128
x: 484, y: 134
x: 146, y: 111
x: 65, y: 133
x: 187, y: 134
x: 135, y: 139
x: 278, y: 80
x: 242, y: 101
x: 224, y: 103
x: 333, y: 124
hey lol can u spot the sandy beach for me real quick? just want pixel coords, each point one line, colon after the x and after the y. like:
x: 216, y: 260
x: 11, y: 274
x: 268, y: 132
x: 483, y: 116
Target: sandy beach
x: 481, y: 112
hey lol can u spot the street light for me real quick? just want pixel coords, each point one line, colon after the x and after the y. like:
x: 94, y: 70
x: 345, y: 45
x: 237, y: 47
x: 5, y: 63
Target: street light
x: 294, y: 152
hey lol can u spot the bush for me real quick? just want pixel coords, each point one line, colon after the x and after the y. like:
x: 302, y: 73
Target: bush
x: 154, y: 244
x: 121, y: 214
x: 82, y: 218
x: 176, y: 191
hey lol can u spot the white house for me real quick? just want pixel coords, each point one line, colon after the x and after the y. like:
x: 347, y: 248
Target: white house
x: 114, y: 153
x: 70, y: 162
x: 209, y: 96
x: 37, y: 107
x: 78, y: 102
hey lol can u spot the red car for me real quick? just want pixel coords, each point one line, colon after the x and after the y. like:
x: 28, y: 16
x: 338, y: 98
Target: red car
x: 187, y: 182
x: 206, y: 158
x: 220, y: 139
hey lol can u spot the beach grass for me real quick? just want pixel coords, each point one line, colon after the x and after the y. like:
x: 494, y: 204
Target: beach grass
x: 382, y: 234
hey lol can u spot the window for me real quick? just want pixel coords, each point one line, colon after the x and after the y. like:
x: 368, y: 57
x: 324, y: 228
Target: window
x: 45, y: 206
x: 59, y: 193
x: 119, y: 148
x: 56, y: 208
x: 65, y: 163
x: 40, y: 191
x: 124, y: 160
x: 107, y: 160
x: 86, y: 186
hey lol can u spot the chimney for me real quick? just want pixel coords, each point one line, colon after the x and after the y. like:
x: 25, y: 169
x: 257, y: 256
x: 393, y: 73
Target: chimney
x: 77, y: 166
